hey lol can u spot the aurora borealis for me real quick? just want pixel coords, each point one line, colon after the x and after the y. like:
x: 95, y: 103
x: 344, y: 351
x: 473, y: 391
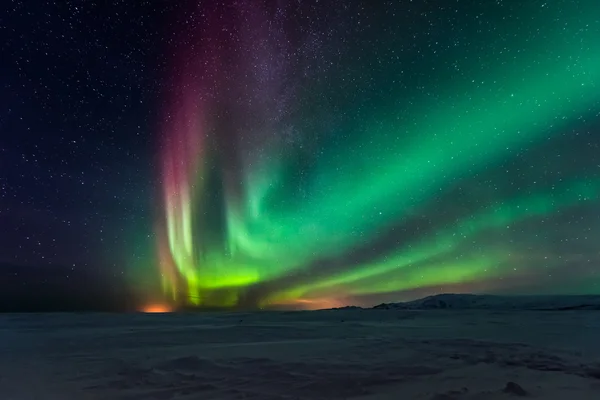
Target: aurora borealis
x: 296, y: 153
x: 314, y: 156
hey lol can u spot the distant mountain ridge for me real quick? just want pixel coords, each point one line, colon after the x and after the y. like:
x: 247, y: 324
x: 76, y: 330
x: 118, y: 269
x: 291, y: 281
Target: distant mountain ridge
x: 493, y: 302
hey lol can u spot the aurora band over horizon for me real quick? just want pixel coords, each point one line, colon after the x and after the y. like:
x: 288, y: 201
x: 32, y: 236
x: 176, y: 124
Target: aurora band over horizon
x: 270, y: 198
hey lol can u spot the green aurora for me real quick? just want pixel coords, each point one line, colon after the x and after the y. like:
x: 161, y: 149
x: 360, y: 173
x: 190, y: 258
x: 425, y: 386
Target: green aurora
x: 417, y: 163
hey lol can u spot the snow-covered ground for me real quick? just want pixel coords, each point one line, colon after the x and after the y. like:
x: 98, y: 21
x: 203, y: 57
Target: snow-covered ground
x: 335, y: 354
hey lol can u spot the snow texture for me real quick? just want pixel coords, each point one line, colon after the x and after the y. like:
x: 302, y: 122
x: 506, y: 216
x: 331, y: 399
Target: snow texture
x: 335, y: 354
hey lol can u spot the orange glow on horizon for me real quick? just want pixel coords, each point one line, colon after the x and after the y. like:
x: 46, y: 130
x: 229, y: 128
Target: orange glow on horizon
x: 157, y: 308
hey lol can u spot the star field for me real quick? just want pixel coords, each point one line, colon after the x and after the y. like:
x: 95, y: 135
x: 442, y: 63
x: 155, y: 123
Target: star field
x: 303, y: 153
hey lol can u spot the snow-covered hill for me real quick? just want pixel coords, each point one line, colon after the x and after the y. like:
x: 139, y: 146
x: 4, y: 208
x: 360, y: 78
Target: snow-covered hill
x: 490, y: 302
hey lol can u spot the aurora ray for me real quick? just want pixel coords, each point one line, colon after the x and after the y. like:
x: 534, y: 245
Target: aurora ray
x: 277, y: 187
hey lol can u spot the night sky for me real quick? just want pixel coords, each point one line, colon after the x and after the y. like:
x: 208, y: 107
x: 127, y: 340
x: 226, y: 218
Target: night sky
x: 296, y: 153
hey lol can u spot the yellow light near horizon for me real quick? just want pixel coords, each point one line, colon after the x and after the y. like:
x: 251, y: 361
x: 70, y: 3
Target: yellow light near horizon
x: 157, y: 308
